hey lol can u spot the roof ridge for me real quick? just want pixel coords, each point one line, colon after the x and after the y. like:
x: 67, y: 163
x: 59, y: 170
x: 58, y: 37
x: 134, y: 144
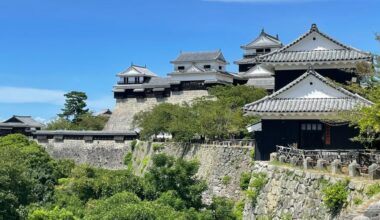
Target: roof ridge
x: 299, y: 79
x: 313, y: 28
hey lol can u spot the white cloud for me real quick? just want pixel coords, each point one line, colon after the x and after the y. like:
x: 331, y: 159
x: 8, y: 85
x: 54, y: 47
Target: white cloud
x: 30, y: 95
x: 263, y: 1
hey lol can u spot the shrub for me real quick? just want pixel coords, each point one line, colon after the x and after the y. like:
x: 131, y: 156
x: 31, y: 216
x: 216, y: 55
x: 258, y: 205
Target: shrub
x: 55, y: 214
x: 252, y: 154
x: 133, y: 145
x: 226, y: 180
x: 245, y: 177
x: 358, y: 201
x: 258, y: 182
x: 128, y: 158
x: 335, y: 195
x: 372, y: 190
x: 238, y: 210
x: 286, y: 216
x: 222, y: 208
x: 157, y: 147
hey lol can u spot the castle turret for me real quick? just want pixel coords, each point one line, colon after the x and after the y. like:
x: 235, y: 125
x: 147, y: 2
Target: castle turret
x: 263, y: 44
x: 200, y: 69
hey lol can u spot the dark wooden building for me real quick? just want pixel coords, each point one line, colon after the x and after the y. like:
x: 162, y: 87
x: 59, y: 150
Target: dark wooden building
x: 19, y: 124
x: 299, y: 115
x: 328, y: 56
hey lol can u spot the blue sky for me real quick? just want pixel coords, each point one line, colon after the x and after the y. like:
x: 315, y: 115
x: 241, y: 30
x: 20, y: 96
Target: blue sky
x: 49, y: 47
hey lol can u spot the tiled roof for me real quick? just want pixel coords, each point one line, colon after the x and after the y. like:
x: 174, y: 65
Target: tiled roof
x: 200, y: 56
x: 263, y: 40
x: 279, y: 105
x: 23, y: 121
x: 274, y: 104
x: 313, y: 56
x: 283, y: 55
x: 141, y: 71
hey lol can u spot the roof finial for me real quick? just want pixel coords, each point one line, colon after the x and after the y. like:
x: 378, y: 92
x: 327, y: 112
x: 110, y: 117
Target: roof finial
x: 277, y: 37
x: 314, y: 27
x: 262, y: 31
x: 132, y: 63
x: 145, y: 65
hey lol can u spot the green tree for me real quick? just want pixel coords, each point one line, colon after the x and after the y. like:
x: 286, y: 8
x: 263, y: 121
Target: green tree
x: 27, y: 175
x: 86, y: 121
x: 75, y: 106
x: 222, y: 208
x: 55, y: 214
x: 168, y: 173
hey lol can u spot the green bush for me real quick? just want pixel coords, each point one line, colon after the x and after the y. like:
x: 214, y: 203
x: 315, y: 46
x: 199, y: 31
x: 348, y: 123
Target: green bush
x: 245, y: 177
x: 226, y: 180
x: 286, y: 216
x: 358, y: 201
x: 157, y: 147
x: 335, y: 195
x: 372, y: 190
x: 238, y: 210
x: 258, y: 182
x: 252, y: 154
x: 55, y: 214
x: 222, y: 208
x: 133, y: 145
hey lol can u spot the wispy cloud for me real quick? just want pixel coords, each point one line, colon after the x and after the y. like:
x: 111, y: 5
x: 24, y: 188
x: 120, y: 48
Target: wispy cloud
x: 263, y: 1
x: 21, y: 95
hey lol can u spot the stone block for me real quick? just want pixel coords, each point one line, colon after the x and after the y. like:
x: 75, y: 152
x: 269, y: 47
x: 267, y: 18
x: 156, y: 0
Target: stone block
x: 336, y: 167
x: 321, y: 164
x: 273, y: 156
x: 361, y: 217
x: 307, y: 163
x: 294, y: 161
x: 282, y: 159
x: 353, y: 169
x: 374, y: 171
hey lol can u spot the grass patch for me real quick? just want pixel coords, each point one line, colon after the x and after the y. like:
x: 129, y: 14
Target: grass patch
x: 226, y: 180
x: 372, y: 190
x: 286, y: 216
x: 157, y: 146
x: 358, y: 201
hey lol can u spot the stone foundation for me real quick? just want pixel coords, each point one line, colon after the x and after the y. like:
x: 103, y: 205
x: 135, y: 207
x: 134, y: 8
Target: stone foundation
x: 122, y: 115
x: 217, y: 163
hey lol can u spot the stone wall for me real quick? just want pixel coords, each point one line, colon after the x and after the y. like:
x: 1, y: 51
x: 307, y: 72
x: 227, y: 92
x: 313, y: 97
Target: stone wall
x: 122, y: 115
x: 216, y: 162
x: 299, y: 193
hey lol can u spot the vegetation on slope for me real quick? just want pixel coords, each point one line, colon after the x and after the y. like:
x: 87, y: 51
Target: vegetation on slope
x: 204, y: 118
x: 34, y: 186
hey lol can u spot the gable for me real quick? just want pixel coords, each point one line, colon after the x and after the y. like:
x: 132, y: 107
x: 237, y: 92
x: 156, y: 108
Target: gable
x: 14, y: 120
x: 132, y: 71
x: 263, y: 41
x: 311, y: 87
x: 314, y: 41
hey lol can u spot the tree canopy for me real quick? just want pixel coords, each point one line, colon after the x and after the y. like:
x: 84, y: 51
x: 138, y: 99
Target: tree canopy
x: 35, y: 186
x: 75, y: 106
x: 217, y: 118
x: 75, y: 115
